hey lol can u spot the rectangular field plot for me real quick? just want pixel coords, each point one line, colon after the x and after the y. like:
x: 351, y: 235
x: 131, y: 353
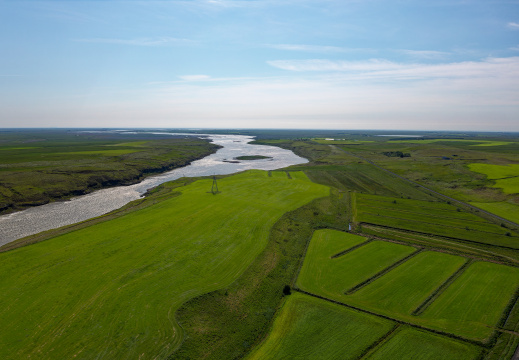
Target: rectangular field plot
x: 404, y: 288
x: 413, y: 344
x: 432, y: 218
x: 329, y: 277
x: 311, y: 328
x: 473, y: 304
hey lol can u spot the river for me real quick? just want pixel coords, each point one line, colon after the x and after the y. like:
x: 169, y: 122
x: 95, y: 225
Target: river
x: 53, y: 215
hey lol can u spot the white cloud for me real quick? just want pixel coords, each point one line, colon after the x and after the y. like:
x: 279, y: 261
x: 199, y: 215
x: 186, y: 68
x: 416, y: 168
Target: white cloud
x: 161, y: 41
x: 195, y: 77
x: 515, y: 48
x: 314, y: 48
x: 374, y: 69
x: 425, y: 54
x: 513, y: 25
x: 329, y: 65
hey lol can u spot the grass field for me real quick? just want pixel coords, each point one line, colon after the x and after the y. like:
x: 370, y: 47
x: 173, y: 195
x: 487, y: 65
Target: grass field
x: 111, y: 290
x: 504, y: 209
x: 331, y: 278
x: 413, y: 344
x: 506, y: 177
x: 404, y: 288
x: 461, y: 141
x: 474, y: 303
x: 432, y: 218
x: 310, y: 328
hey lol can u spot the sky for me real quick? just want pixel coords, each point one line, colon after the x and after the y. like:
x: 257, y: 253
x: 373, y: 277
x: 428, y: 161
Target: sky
x: 308, y: 64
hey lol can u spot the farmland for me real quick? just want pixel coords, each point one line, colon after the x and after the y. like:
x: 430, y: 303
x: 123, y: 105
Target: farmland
x: 336, y: 258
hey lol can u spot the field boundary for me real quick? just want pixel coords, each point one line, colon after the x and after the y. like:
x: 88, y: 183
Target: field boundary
x: 355, y: 247
x: 378, y: 343
x: 383, y: 272
x: 436, y: 293
x: 493, y: 257
x: 440, y: 236
x: 438, y: 332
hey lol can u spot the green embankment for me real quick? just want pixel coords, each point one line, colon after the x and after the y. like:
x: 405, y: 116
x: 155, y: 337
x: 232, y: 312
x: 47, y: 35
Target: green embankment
x: 413, y: 344
x: 324, y: 276
x: 310, y: 328
x: 111, y: 290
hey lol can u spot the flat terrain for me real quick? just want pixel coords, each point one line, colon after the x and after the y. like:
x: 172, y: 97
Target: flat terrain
x: 111, y: 290
x: 361, y: 253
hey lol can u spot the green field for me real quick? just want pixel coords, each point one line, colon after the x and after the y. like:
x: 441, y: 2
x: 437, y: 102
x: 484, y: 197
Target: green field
x: 310, y: 328
x: 474, y: 303
x: 506, y: 177
x: 461, y: 141
x: 111, y: 290
x: 432, y: 218
x: 504, y: 209
x: 403, y: 289
x: 331, y: 278
x: 412, y: 344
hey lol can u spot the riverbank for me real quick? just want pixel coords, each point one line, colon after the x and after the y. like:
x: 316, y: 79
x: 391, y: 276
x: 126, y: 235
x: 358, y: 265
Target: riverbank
x: 39, y: 168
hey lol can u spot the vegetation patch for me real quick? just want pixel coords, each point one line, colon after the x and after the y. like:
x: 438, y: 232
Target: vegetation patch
x: 253, y: 157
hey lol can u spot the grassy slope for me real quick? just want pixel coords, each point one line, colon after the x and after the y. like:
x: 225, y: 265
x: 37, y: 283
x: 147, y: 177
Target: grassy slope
x: 110, y: 290
x: 310, y: 328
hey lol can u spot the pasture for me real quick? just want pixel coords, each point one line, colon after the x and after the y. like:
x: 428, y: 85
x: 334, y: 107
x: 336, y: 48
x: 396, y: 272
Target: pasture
x: 111, y: 290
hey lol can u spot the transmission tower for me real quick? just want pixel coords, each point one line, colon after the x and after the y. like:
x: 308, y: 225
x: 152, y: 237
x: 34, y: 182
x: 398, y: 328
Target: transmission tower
x: 214, y: 187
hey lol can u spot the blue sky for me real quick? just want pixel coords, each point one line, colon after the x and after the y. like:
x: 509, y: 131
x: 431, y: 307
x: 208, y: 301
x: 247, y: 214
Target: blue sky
x: 348, y: 64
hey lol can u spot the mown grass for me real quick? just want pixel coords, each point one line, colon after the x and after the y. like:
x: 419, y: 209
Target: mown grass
x: 331, y: 278
x: 412, y: 344
x: 310, y: 328
x: 111, y: 290
x: 450, y: 141
x: 474, y: 303
x: 404, y: 288
x: 60, y: 165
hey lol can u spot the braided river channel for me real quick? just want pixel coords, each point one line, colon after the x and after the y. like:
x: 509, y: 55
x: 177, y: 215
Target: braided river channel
x: 56, y: 214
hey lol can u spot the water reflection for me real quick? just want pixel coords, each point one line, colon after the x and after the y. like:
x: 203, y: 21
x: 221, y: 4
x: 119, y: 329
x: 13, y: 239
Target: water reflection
x: 34, y: 220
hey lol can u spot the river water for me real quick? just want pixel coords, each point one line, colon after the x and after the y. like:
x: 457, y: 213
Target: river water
x: 53, y: 215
